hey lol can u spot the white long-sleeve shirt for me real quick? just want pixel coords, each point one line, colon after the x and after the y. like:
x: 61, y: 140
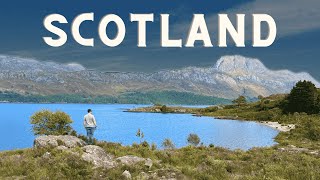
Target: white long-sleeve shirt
x: 89, y: 120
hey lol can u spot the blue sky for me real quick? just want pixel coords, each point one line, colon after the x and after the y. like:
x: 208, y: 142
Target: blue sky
x: 296, y: 47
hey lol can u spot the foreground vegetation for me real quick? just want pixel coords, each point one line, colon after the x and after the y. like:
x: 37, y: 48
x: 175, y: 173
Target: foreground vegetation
x: 296, y: 156
x: 152, y: 97
x: 192, y: 162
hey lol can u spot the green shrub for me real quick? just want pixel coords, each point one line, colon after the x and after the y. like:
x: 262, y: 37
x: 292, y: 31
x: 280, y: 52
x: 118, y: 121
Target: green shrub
x: 168, y: 144
x: 210, y: 109
x: 312, y: 129
x: 193, y: 139
x: 153, y: 146
x: 46, y: 122
x: 164, y: 108
x: 240, y: 100
x: 211, y: 145
x: 145, y: 144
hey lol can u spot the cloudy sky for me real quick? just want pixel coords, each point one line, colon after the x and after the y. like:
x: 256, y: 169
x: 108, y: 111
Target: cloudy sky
x: 296, y: 47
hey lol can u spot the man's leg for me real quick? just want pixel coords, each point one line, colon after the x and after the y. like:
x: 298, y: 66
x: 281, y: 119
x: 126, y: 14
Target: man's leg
x: 89, y: 135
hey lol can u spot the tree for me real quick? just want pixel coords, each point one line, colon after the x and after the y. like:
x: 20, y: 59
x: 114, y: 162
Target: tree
x: 193, y: 139
x: 302, y: 98
x: 168, y: 144
x: 46, y: 122
x: 240, y: 100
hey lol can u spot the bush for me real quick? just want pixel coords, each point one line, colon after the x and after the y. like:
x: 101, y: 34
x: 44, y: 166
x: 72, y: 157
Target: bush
x: 313, y: 130
x: 145, y: 144
x: 240, y: 100
x: 153, y: 146
x: 210, y: 109
x: 46, y: 122
x: 164, y: 108
x: 193, y: 139
x: 168, y: 144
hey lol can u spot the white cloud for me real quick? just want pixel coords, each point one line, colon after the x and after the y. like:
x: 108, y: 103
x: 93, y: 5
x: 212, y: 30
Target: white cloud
x: 292, y: 16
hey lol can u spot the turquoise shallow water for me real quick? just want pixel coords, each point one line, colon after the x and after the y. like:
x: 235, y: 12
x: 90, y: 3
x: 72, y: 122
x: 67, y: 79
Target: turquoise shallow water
x: 118, y: 126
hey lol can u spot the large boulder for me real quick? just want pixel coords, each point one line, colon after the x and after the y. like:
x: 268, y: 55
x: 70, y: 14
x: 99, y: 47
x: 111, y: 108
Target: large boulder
x: 130, y: 160
x: 98, y: 157
x: 126, y: 174
x: 55, y: 141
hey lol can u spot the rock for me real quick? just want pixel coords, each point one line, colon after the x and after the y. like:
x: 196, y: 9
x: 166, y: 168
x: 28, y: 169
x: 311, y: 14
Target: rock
x: 71, y: 141
x: 126, y: 174
x: 314, y: 152
x: 45, y: 141
x: 55, y: 141
x: 148, y: 163
x: 130, y: 160
x: 143, y: 176
x: 46, y: 155
x: 98, y: 157
x: 61, y: 148
x: 293, y: 149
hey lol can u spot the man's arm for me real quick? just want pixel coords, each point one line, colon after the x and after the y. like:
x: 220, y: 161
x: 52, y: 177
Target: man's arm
x: 94, y: 120
x: 84, y: 121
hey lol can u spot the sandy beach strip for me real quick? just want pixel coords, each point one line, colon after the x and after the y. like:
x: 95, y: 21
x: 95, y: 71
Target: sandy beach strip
x: 278, y: 126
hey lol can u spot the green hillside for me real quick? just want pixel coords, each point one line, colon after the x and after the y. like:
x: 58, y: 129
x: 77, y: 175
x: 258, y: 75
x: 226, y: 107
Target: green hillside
x: 154, y: 97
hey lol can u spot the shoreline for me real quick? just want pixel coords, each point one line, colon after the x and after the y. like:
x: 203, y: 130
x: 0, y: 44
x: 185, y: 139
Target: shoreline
x: 183, y: 110
x: 272, y: 124
x: 278, y: 126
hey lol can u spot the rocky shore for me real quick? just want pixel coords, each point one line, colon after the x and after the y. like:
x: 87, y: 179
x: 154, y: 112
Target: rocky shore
x: 164, y: 109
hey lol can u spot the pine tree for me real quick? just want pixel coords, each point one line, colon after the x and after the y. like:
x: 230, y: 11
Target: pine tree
x: 302, y: 98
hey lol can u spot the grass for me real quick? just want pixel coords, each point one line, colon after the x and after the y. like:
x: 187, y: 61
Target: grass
x: 192, y: 162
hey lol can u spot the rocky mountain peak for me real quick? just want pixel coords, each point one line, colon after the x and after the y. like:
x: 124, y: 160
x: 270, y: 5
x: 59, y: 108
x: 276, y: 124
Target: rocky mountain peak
x: 230, y: 77
x: 237, y: 63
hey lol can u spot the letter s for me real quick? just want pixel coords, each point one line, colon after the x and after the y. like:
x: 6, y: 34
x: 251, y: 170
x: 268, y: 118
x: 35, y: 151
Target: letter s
x: 47, y: 22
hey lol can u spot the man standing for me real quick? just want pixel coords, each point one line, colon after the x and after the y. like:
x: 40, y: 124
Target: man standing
x: 90, y: 124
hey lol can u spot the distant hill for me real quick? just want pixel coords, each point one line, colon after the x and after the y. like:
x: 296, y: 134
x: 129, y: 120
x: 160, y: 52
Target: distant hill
x: 230, y: 77
x: 163, y: 97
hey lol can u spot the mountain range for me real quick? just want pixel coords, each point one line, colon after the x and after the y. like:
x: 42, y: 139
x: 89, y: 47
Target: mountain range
x: 230, y: 77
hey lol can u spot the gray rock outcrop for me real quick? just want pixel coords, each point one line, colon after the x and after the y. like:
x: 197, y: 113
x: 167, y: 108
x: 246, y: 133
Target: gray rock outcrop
x: 90, y: 153
x: 130, y: 160
x: 55, y: 141
x: 98, y: 157
x: 126, y: 174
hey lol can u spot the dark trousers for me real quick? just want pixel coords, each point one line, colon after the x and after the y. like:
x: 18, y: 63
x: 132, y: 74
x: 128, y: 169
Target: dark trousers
x: 90, y: 131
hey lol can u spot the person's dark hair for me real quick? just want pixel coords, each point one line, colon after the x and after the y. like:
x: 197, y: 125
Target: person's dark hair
x: 89, y: 110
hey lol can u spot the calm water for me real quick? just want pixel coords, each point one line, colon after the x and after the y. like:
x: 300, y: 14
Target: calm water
x: 118, y: 126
